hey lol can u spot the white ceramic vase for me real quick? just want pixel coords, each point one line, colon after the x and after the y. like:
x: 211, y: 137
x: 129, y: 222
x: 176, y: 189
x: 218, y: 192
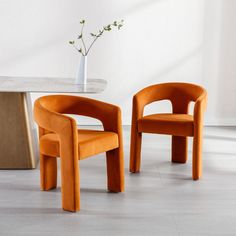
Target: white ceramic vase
x: 81, y: 74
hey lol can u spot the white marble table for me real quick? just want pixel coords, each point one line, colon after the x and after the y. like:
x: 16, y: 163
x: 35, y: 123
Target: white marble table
x: 19, y: 142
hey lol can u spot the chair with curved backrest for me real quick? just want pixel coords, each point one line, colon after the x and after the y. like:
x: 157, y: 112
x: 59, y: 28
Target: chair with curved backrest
x: 179, y: 124
x: 59, y: 137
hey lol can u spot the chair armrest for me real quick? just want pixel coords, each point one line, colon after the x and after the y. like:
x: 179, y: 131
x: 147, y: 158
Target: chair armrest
x: 200, y: 107
x: 112, y: 120
x: 52, y: 121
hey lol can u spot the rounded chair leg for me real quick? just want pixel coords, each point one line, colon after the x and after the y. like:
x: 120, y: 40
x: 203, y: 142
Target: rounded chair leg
x: 115, y: 170
x: 179, y: 149
x: 197, y: 157
x: 70, y: 185
x: 48, y: 172
x: 135, y: 151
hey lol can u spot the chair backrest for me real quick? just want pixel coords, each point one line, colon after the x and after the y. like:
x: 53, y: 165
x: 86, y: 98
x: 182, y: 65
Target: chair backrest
x: 180, y: 94
x: 48, y: 112
x: 63, y: 104
x: 54, y: 107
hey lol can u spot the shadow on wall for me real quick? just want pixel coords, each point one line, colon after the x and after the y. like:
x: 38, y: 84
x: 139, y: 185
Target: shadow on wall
x: 158, y: 76
x: 140, y: 5
x: 38, y: 39
x: 159, y: 46
x: 227, y: 63
x: 22, y: 38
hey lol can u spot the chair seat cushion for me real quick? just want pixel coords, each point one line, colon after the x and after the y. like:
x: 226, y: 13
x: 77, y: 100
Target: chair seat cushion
x: 174, y: 124
x: 90, y: 142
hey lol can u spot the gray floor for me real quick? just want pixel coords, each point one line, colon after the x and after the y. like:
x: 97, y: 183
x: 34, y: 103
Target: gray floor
x: 161, y: 200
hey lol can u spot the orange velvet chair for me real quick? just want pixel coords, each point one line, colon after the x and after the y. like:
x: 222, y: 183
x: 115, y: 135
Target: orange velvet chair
x: 179, y: 124
x: 60, y: 137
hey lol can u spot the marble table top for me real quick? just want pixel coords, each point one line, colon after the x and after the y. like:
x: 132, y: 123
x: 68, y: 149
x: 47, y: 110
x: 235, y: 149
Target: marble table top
x: 49, y: 85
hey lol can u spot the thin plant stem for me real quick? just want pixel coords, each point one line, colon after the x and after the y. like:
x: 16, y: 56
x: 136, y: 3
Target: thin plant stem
x: 78, y: 50
x: 81, y: 33
x: 94, y: 41
x: 83, y: 50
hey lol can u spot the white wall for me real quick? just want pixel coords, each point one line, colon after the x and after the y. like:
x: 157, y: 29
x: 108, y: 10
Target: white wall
x: 163, y: 40
x: 219, y: 60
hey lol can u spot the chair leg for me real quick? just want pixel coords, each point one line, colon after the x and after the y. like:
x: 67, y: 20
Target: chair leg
x: 115, y: 170
x: 179, y: 149
x: 197, y: 157
x: 70, y: 185
x: 48, y: 172
x: 135, y: 151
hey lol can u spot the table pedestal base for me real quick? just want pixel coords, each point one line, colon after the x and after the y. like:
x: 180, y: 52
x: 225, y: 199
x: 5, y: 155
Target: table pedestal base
x: 18, y: 145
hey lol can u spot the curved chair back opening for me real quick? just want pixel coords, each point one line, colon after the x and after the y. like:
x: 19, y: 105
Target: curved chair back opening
x: 180, y: 94
x: 68, y: 105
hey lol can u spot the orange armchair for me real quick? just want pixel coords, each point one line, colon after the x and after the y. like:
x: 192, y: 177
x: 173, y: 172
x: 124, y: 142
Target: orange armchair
x: 179, y: 124
x: 59, y: 137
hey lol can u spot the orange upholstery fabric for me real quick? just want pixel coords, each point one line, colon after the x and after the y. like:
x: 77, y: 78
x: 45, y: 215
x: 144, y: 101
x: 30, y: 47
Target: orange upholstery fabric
x: 179, y: 123
x: 59, y: 137
x: 175, y: 124
x: 90, y: 143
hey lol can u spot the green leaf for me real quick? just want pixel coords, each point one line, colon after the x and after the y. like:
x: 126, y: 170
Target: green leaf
x: 119, y: 26
x: 82, y: 21
x: 80, y: 36
x: 71, y: 42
